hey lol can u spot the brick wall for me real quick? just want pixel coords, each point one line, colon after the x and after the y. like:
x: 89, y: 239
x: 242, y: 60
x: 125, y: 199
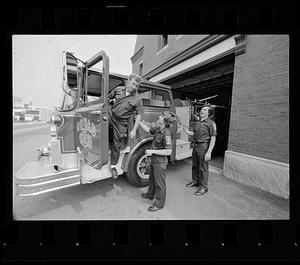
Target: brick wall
x: 259, y: 122
x: 152, y: 58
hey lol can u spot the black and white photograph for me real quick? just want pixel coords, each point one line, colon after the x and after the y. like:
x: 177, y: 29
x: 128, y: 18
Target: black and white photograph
x: 150, y: 127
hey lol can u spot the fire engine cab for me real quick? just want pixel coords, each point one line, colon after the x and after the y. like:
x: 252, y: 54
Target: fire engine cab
x: 78, y: 149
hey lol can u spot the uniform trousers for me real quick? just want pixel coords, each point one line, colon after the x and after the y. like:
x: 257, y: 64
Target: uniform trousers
x: 157, y: 183
x: 117, y: 131
x: 199, y: 165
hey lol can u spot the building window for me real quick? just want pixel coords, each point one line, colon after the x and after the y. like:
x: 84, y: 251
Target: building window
x: 141, y: 69
x: 162, y: 41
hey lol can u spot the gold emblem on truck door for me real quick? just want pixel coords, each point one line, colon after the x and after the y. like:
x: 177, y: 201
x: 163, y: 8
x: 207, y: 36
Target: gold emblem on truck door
x: 86, y: 131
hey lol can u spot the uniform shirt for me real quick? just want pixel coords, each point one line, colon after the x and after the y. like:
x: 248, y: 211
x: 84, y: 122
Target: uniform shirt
x: 162, y: 139
x: 126, y: 105
x: 203, y: 130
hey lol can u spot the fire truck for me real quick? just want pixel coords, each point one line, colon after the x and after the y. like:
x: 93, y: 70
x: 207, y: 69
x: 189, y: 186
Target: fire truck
x: 78, y: 151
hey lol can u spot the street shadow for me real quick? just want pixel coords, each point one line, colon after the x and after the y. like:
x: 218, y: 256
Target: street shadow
x: 72, y: 196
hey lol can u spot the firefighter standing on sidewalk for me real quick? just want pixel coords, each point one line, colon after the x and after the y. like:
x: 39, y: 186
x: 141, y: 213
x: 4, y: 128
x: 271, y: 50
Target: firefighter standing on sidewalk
x: 161, y: 148
x: 204, y: 132
x: 126, y: 102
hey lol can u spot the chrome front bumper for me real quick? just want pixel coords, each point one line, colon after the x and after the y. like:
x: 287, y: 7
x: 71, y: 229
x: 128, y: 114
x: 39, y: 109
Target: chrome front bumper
x: 37, y: 177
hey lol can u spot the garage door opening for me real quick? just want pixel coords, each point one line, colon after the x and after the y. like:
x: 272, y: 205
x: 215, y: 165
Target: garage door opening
x: 209, y: 84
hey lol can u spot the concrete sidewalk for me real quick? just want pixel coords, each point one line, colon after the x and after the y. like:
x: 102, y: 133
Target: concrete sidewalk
x: 227, y: 199
x: 110, y: 199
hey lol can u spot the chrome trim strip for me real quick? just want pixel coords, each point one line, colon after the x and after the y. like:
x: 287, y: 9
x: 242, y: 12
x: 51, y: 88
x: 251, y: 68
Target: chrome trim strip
x: 53, y: 189
x: 51, y: 174
x: 46, y: 182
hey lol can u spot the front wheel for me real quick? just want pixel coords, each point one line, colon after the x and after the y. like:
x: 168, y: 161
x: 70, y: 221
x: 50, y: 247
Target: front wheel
x: 139, y: 167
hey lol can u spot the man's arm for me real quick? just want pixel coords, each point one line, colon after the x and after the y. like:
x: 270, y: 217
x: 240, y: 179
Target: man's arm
x: 136, y: 125
x: 187, y: 131
x: 213, y: 133
x: 144, y: 126
x: 167, y: 142
x: 210, y: 148
x: 160, y: 152
x: 138, y: 117
x: 137, y: 122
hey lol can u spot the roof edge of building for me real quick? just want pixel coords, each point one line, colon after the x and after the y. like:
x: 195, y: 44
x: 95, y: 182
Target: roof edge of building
x: 186, y: 54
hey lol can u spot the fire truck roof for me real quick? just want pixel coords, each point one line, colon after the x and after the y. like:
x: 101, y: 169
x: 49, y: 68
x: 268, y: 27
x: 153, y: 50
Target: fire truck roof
x: 115, y: 80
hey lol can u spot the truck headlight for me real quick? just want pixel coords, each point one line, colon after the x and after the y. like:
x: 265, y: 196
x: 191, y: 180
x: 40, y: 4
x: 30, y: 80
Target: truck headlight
x: 56, y: 120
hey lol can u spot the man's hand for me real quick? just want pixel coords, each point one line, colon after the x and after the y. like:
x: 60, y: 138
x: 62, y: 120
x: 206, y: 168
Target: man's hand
x: 132, y: 134
x: 148, y: 152
x: 207, y: 156
x: 112, y: 101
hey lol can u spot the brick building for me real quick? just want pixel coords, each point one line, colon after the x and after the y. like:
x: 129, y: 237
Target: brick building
x: 248, y: 77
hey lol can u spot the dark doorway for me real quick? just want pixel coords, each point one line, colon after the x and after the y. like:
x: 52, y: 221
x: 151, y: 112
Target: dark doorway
x: 209, y: 84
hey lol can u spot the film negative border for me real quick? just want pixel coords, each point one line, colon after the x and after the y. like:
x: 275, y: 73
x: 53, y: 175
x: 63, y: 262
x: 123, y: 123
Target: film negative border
x: 247, y: 17
x: 141, y: 240
x: 164, y: 240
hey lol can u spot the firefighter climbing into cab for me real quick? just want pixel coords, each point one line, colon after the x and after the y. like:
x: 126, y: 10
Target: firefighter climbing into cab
x: 124, y: 102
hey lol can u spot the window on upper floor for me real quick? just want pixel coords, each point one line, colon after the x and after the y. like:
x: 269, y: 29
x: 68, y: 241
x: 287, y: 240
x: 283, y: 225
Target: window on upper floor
x: 141, y: 69
x: 162, y: 41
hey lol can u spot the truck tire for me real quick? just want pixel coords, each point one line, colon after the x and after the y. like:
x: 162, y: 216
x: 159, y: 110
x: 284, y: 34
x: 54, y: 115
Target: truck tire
x: 138, y: 167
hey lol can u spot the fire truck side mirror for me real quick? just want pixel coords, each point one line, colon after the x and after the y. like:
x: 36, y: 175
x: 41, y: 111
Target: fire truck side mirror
x: 70, y: 70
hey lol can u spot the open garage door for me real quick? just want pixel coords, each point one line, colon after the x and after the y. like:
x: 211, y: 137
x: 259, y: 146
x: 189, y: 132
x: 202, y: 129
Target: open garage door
x: 211, y: 83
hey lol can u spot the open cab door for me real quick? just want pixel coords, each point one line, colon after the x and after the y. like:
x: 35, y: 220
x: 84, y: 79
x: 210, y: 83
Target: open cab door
x: 91, y: 130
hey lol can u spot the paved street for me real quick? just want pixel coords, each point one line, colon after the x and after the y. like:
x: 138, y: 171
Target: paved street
x: 27, y: 138
x: 118, y: 200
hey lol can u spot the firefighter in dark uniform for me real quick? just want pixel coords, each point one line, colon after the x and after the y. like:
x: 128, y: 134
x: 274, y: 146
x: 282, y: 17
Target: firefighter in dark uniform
x: 161, y: 149
x: 126, y: 102
x: 204, y: 132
